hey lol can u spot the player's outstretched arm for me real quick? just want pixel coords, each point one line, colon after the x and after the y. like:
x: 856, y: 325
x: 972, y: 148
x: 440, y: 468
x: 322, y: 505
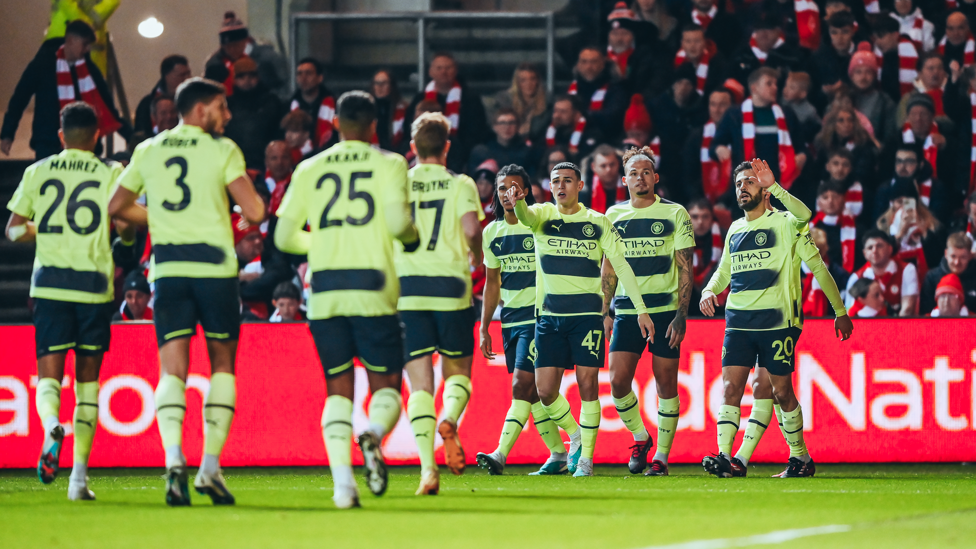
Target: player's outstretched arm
x: 525, y: 216
x: 807, y: 248
x: 244, y: 194
x: 608, y: 284
x: 493, y: 284
x: 686, y: 280
x: 768, y: 181
x: 717, y: 284
x: 20, y: 229
x: 290, y: 238
x: 400, y: 225
x: 123, y: 206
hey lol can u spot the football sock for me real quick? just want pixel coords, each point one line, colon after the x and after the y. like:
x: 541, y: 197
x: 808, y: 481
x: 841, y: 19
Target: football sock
x: 518, y: 414
x: 779, y: 419
x: 170, y: 410
x: 384, y: 411
x: 762, y: 412
x: 630, y: 414
x: 423, y: 420
x: 560, y: 414
x: 457, y: 391
x: 727, y: 426
x: 547, y: 429
x: 590, y: 423
x: 667, y: 423
x: 48, y: 403
x: 337, y: 432
x: 218, y: 413
x: 793, y: 430
x: 86, y: 418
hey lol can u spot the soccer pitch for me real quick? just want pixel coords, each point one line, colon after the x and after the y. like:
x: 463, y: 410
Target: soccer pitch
x: 843, y: 506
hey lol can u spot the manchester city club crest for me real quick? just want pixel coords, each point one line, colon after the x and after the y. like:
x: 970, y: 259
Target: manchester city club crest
x: 588, y: 230
x: 528, y: 243
x: 657, y: 227
x: 760, y: 239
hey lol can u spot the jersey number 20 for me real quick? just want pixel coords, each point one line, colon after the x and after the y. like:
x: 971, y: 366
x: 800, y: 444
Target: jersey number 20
x: 325, y: 222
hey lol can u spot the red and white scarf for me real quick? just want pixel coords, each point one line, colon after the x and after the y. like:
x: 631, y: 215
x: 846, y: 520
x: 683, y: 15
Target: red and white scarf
x: 854, y: 199
x: 907, y: 61
x: 925, y: 192
x: 277, y: 190
x: 107, y: 124
x: 929, y: 150
x: 715, y: 174
x: 229, y: 81
x: 848, y: 235
x: 787, y: 157
x: 704, y: 19
x: 574, y: 139
x: 596, y: 100
x: 452, y: 106
x: 972, y: 148
x: 916, y: 32
x: 761, y: 55
x: 323, y: 125
x: 620, y: 58
x: 807, y: 23
x: 968, y: 52
x: 701, y: 69
x: 598, y: 196
x: 297, y: 155
x: 699, y: 267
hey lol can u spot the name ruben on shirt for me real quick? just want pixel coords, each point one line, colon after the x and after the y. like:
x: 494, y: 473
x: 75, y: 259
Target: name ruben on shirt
x: 179, y: 142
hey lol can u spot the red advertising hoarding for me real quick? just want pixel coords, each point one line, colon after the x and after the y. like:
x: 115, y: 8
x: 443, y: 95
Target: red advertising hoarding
x: 900, y: 390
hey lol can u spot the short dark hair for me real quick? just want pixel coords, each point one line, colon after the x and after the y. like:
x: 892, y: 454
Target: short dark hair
x: 506, y: 111
x: 287, y: 290
x: 860, y: 287
x: 741, y: 168
x: 842, y: 152
x: 757, y: 74
x: 702, y: 204
x: 443, y: 53
x: 157, y: 100
x: 80, y: 29
x: 79, y: 122
x: 909, y: 147
x: 692, y: 27
x: 883, y: 24
x: 319, y: 67
x: 511, y: 170
x: 841, y: 19
x: 356, y: 110
x: 196, y: 90
x: 568, y: 166
x: 878, y: 234
x: 594, y: 47
x: 170, y: 62
x: 925, y: 57
x: 566, y: 97
x: 829, y: 186
x: 959, y: 240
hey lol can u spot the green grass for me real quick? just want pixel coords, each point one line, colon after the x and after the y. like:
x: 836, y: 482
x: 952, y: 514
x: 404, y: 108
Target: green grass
x: 878, y: 506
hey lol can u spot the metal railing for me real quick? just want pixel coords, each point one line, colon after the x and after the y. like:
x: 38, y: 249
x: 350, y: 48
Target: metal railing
x: 421, y: 18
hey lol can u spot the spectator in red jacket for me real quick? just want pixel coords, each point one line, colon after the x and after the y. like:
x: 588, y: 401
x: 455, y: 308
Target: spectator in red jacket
x: 869, y: 299
x: 950, y: 298
x: 898, y: 280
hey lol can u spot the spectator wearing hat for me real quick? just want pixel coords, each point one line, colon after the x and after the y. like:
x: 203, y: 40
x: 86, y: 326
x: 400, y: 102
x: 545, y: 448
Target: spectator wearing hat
x: 259, y: 272
x: 287, y: 301
x: 838, y: 225
x: 255, y: 113
x: 722, y: 29
x: 391, y: 111
x: 833, y: 57
x: 638, y: 63
x: 173, y: 71
x: 600, y: 91
x: 312, y: 97
x: 958, y: 262
x: 602, y: 184
x: 460, y: 104
x: 138, y: 295
x: 766, y: 48
x: 950, y: 299
x: 570, y: 129
x: 297, y: 128
x: 932, y: 136
x: 815, y: 302
x: 639, y: 128
x: 506, y: 148
x: 897, y: 57
x: 866, y: 94
x: 914, y: 24
x: 705, y: 176
x: 233, y: 45
x: 528, y: 98
x: 62, y: 72
x: 868, y: 299
x: 898, y: 280
x: 676, y: 113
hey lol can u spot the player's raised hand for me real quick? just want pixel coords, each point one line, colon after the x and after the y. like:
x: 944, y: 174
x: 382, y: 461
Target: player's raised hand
x: 708, y: 303
x: 843, y: 327
x: 646, y: 326
x: 486, y: 344
x: 514, y: 194
x: 763, y: 174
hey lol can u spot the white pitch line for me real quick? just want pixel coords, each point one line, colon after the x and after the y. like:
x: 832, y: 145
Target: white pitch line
x: 772, y: 538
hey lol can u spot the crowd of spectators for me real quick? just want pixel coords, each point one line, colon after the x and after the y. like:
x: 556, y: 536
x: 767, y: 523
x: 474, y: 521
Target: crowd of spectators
x: 866, y: 110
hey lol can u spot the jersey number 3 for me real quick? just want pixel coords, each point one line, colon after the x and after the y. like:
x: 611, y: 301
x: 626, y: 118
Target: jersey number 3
x: 325, y: 222
x: 181, y: 183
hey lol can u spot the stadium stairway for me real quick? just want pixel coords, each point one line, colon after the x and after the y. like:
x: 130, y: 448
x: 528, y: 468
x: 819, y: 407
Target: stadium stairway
x: 16, y: 260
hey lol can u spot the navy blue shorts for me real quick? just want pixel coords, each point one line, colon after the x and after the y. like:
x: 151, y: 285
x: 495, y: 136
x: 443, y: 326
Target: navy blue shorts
x: 451, y: 333
x: 376, y: 340
x: 520, y: 351
x: 564, y: 341
x: 774, y: 350
x: 627, y: 336
x: 181, y: 302
x: 63, y: 325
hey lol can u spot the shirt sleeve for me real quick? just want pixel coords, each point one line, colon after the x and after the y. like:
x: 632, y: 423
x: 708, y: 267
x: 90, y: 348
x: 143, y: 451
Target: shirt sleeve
x: 684, y: 235
x: 22, y: 202
x: 293, y: 206
x: 801, y: 214
x: 468, y: 199
x: 491, y: 261
x: 909, y: 281
x: 610, y: 241
x: 235, y: 167
x: 131, y: 178
x: 396, y: 211
x: 810, y: 254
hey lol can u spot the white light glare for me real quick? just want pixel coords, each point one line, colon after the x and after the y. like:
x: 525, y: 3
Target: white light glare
x: 151, y: 28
